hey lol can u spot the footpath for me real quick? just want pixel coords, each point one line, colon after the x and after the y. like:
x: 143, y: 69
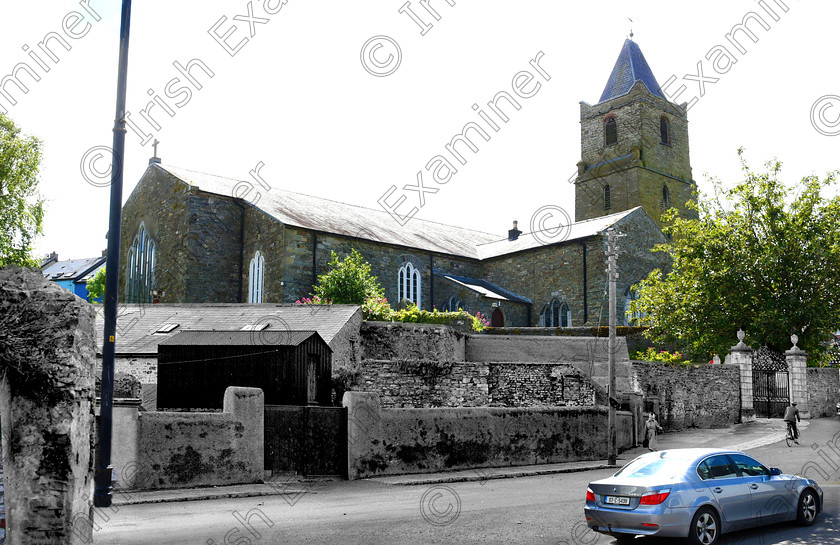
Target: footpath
x: 745, y: 436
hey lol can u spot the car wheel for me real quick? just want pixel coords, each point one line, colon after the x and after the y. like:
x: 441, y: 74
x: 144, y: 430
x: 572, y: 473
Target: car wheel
x: 705, y: 527
x: 806, y: 511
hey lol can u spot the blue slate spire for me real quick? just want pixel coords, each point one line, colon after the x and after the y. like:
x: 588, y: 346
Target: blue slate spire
x: 630, y: 67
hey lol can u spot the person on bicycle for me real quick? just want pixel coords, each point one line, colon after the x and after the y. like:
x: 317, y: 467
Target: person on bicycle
x: 792, y: 417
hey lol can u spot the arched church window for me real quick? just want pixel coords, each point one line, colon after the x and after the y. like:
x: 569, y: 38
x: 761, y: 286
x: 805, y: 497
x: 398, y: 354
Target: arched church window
x: 665, y: 204
x: 607, y: 203
x: 610, y: 132
x: 140, y: 268
x: 256, y: 278
x: 409, y: 284
x: 664, y: 131
x: 556, y: 314
x: 631, y: 318
x: 454, y: 304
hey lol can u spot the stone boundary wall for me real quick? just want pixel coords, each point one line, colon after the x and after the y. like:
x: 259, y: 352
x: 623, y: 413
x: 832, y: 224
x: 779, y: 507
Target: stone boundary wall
x: 427, y: 384
x: 397, y: 441
x: 407, y: 341
x: 702, y: 396
x: 178, y: 450
x: 634, y: 336
x: 823, y: 391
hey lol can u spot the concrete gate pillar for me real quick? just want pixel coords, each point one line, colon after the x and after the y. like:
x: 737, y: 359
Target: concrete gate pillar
x: 741, y: 355
x: 797, y: 360
x: 47, y: 352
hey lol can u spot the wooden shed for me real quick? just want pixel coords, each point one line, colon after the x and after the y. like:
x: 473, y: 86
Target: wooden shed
x: 291, y: 367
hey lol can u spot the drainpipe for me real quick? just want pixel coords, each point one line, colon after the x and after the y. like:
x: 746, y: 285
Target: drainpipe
x: 585, y: 302
x: 314, y: 256
x: 241, y: 246
x: 432, y: 279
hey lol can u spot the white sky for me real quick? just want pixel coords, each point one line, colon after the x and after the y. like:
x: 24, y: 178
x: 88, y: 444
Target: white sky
x: 297, y: 98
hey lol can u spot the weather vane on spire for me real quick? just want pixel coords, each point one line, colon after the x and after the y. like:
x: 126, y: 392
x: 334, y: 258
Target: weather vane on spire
x: 631, y: 27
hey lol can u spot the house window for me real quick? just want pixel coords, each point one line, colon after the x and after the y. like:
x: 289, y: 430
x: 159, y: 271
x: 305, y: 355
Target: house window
x: 256, y: 277
x: 610, y: 132
x: 454, y: 304
x: 556, y: 314
x: 408, y: 284
x: 665, y: 204
x: 140, y: 268
x: 607, y: 203
x: 664, y: 131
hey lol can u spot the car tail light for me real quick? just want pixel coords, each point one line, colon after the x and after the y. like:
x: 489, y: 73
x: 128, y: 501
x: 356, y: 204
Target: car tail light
x: 590, y: 495
x: 650, y: 525
x: 654, y: 498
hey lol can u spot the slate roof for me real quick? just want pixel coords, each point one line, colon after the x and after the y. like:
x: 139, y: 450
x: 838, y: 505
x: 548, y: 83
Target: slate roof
x: 238, y: 338
x: 485, y: 288
x: 137, y: 324
x: 73, y: 269
x: 555, y: 234
x: 630, y: 67
x: 330, y: 216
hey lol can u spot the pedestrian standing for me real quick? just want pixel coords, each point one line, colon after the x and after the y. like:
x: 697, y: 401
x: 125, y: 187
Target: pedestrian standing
x: 652, y: 429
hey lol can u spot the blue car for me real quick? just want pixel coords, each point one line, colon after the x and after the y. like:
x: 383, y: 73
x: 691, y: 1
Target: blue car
x: 697, y: 494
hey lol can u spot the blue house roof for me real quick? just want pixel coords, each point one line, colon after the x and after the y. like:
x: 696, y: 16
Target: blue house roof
x: 630, y: 67
x: 74, y: 269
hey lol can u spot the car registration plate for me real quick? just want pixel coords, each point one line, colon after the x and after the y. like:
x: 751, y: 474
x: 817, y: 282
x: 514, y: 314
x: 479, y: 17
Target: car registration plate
x: 617, y: 500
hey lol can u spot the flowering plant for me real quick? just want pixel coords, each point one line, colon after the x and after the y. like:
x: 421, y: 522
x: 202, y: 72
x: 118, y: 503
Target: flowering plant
x: 651, y: 354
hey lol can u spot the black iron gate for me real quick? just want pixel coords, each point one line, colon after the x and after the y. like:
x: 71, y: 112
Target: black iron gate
x: 306, y: 440
x: 771, y: 394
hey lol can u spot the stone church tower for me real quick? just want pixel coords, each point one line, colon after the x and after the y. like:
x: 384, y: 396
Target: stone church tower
x: 634, y: 146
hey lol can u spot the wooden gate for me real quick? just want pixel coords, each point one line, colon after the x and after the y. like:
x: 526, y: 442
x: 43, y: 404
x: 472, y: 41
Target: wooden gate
x: 306, y: 440
x: 771, y: 394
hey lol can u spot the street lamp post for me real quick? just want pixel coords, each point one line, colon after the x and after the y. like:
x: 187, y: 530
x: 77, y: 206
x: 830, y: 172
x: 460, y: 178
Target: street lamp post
x: 102, y: 478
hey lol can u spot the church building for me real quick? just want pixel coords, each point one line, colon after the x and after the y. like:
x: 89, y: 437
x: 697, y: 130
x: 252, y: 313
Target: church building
x: 191, y: 237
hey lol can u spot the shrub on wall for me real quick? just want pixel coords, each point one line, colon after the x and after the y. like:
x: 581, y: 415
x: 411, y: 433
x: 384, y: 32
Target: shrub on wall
x: 651, y: 354
x: 378, y: 309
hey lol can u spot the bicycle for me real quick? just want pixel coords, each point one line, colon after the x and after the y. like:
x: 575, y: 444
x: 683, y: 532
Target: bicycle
x: 790, y: 438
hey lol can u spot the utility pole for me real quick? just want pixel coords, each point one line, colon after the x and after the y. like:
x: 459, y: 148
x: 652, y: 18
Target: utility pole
x: 612, y: 275
x: 102, y: 478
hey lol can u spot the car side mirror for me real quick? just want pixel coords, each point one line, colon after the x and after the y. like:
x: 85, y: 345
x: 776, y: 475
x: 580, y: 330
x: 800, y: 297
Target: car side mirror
x: 775, y: 471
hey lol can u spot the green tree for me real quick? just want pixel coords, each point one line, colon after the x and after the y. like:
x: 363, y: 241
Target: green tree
x: 21, y: 208
x: 96, y: 286
x: 761, y: 256
x: 348, y: 281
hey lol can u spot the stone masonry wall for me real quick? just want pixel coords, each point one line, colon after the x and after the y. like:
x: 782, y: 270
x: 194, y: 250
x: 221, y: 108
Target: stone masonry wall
x: 176, y: 450
x: 823, y: 391
x: 212, y: 249
x: 401, y: 341
x: 385, y: 441
x: 702, y: 396
x: 160, y: 201
x: 47, y: 352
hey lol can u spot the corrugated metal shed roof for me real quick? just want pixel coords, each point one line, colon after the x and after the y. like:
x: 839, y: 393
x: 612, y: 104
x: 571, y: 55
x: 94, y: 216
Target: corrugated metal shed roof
x: 554, y: 234
x: 137, y: 324
x: 319, y: 214
x: 630, y: 67
x: 72, y: 269
x: 239, y: 338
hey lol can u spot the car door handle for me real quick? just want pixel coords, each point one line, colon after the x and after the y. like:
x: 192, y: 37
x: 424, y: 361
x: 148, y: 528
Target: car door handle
x: 718, y: 489
x: 754, y: 486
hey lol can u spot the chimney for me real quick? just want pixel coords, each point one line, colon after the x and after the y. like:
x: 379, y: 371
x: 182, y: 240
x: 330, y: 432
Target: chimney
x: 514, y: 233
